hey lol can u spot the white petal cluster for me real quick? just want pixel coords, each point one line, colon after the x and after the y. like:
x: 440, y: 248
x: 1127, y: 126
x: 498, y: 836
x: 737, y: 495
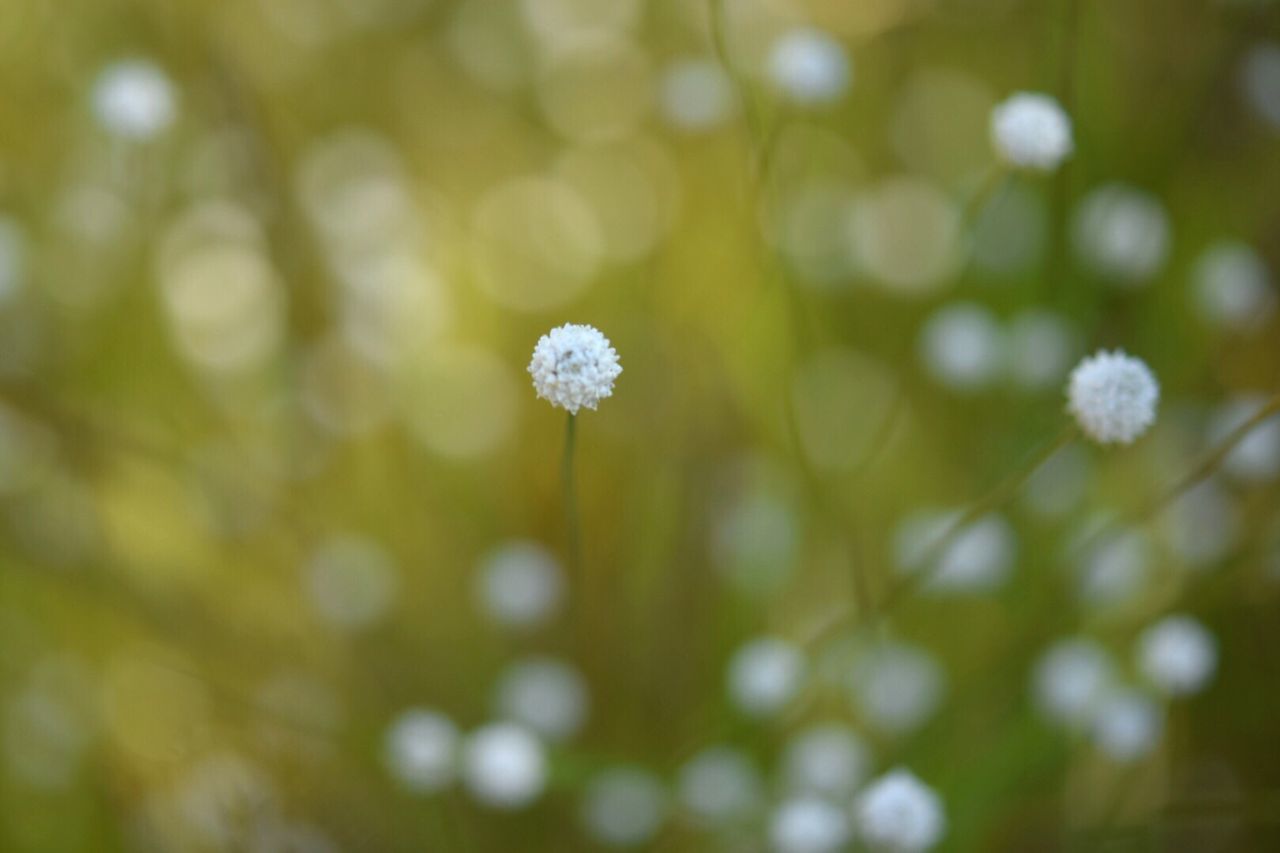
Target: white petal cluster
x: 899, y: 812
x: 134, y: 99
x: 1113, y: 397
x: 765, y: 675
x: 573, y: 367
x: 1031, y: 131
x: 421, y: 750
x: 504, y: 766
x: 1177, y: 654
x: 809, y: 66
x: 808, y: 825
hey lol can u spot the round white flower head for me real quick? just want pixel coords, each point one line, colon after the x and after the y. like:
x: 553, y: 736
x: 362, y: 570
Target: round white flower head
x: 827, y: 759
x: 719, y: 785
x: 1031, y: 131
x: 1177, y: 654
x: 808, y: 825
x: 809, y: 66
x: 899, y: 812
x: 134, y: 98
x: 574, y: 366
x: 765, y: 675
x: 624, y: 807
x: 545, y: 695
x: 1113, y: 397
x: 1128, y: 725
x: 421, y: 749
x: 504, y: 766
x: 1071, y: 680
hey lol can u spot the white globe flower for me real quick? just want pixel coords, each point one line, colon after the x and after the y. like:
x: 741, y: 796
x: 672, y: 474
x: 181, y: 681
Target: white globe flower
x: 899, y: 812
x: 1127, y: 725
x: 1031, y: 131
x: 504, y: 766
x: 765, y: 675
x: 624, y: 807
x: 808, y: 825
x: 1177, y: 655
x: 827, y: 759
x: 809, y: 66
x: 719, y: 785
x: 1071, y: 680
x: 421, y: 750
x: 573, y: 367
x: 520, y: 584
x: 134, y: 99
x: 544, y: 694
x: 1113, y: 397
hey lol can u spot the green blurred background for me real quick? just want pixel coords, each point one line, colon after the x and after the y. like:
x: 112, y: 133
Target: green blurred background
x: 270, y: 274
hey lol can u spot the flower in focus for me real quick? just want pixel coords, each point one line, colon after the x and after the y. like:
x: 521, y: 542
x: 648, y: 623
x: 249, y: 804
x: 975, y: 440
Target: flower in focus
x: 1113, y: 397
x: 899, y: 812
x: 574, y: 366
x: 1031, y: 131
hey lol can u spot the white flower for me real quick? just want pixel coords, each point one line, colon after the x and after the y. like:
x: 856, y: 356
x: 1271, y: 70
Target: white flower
x: 624, y: 806
x: 809, y: 66
x: 1127, y: 725
x: 1122, y: 233
x: 1177, y: 654
x: 504, y: 766
x: 808, y: 825
x: 765, y: 675
x: 421, y: 748
x: 720, y: 785
x: 1031, y: 131
x: 1071, y: 679
x: 897, y: 687
x: 520, y: 584
x: 574, y: 366
x: 547, y: 696
x: 899, y: 812
x: 1113, y: 397
x: 827, y: 759
x: 134, y: 99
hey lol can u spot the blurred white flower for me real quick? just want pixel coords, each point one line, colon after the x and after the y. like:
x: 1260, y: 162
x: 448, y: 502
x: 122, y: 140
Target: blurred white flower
x: 765, y: 675
x: 1256, y: 457
x: 1177, y: 655
x: 809, y: 66
x: 352, y: 582
x: 421, y: 750
x: 898, y: 812
x: 1122, y: 233
x: 1260, y: 82
x: 504, y: 766
x: 574, y: 366
x: 963, y: 346
x: 520, y: 584
x: 546, y: 695
x: 624, y: 807
x: 1071, y: 679
x: 1113, y: 397
x: 1114, y: 571
x: 1232, y: 286
x: 808, y: 825
x: 1041, y: 347
x: 696, y: 94
x: 1202, y: 525
x: 134, y: 98
x: 1127, y: 725
x: 720, y: 785
x: 1031, y: 131
x: 896, y: 687
x: 826, y: 759
x: 977, y: 559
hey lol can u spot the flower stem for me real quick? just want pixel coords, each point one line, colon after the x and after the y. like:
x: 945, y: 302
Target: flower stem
x: 572, y: 527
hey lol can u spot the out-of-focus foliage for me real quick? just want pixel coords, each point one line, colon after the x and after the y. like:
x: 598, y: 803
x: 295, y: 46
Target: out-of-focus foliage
x: 284, y: 561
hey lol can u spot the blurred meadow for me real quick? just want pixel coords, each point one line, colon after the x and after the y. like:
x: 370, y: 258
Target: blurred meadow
x: 286, y: 549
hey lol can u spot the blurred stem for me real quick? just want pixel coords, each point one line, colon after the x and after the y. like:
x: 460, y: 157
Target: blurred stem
x: 1207, y: 464
x: 1002, y: 493
x: 571, y: 501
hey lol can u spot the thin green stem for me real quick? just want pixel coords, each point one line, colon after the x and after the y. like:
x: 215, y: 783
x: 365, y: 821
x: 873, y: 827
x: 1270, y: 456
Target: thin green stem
x: 1207, y: 464
x: 572, y: 526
